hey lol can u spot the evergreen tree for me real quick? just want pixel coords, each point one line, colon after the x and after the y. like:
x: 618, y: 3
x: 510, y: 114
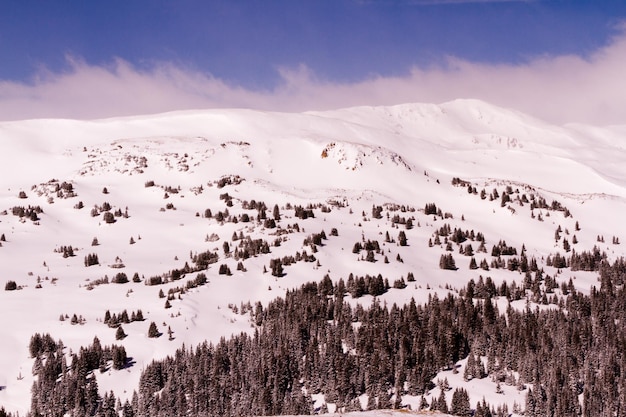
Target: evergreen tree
x: 119, y: 333
x: 460, y: 405
x: 108, y: 217
x: 440, y: 404
x: 276, y: 213
x: 153, y: 331
x: 472, y: 264
x: 483, y: 409
x: 277, y: 267
x: 118, y: 354
x: 446, y: 261
x: 402, y: 240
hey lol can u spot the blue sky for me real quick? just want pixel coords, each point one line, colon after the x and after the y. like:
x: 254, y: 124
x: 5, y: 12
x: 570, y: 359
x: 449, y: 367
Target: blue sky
x: 287, y: 55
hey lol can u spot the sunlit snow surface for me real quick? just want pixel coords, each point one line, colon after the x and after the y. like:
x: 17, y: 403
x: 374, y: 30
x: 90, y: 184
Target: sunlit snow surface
x: 364, y: 156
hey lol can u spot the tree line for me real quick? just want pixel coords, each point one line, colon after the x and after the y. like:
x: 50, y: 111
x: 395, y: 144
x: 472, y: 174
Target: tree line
x: 307, y: 343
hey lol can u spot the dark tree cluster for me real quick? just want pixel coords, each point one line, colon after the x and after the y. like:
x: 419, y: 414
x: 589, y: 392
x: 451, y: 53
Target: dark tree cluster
x: 301, y: 342
x: 315, y: 239
x: 514, y: 263
x: 308, y: 340
x: 229, y: 180
x: 587, y: 260
x: 458, y: 235
x: 224, y: 270
x: 67, y: 251
x: 40, y: 344
x: 120, y: 278
x: 303, y: 213
x: 198, y: 281
x: 108, y: 217
x: 458, y: 182
x: 248, y: 248
x: 155, y: 280
x: 10, y: 286
x: 557, y: 261
x: 502, y: 249
x: 402, y: 239
x: 115, y: 320
x: 541, y: 203
x: 367, y: 285
x: 369, y: 245
x: 403, y: 208
x: 62, y: 389
x: 276, y: 266
x: 171, y: 189
x: 64, y: 190
x: 431, y: 209
x: 31, y: 212
x: 377, y: 212
x: 253, y: 205
x: 92, y: 259
x: 204, y: 259
x: 407, y: 222
x: 446, y: 261
x: 177, y: 274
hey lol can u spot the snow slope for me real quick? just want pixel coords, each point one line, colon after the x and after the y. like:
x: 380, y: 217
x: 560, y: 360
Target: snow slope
x: 347, y: 160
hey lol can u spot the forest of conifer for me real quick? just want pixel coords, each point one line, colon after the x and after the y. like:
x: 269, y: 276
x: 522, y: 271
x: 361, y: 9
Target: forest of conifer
x: 312, y: 341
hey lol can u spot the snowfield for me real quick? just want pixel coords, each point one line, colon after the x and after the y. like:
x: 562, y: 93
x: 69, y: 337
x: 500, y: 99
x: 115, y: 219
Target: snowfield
x: 158, y: 175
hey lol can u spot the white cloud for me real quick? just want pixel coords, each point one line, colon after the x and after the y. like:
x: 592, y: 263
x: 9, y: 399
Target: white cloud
x: 559, y: 89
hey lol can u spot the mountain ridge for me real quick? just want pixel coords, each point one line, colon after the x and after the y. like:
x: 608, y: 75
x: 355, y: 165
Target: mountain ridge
x: 156, y: 191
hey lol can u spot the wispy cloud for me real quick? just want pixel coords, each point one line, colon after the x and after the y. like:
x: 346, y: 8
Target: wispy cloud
x: 556, y: 88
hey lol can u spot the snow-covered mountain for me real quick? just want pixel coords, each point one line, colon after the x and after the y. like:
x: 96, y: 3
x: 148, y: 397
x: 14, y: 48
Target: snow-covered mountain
x: 147, y: 194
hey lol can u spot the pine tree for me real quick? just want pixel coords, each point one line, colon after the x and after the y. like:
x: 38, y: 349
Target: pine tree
x: 108, y: 217
x: 153, y: 331
x: 460, y: 403
x: 440, y: 404
x: 472, y: 264
x: 119, y: 333
x: 446, y: 261
x: 483, y: 409
x: 276, y: 267
x: 402, y: 240
x: 468, y: 373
